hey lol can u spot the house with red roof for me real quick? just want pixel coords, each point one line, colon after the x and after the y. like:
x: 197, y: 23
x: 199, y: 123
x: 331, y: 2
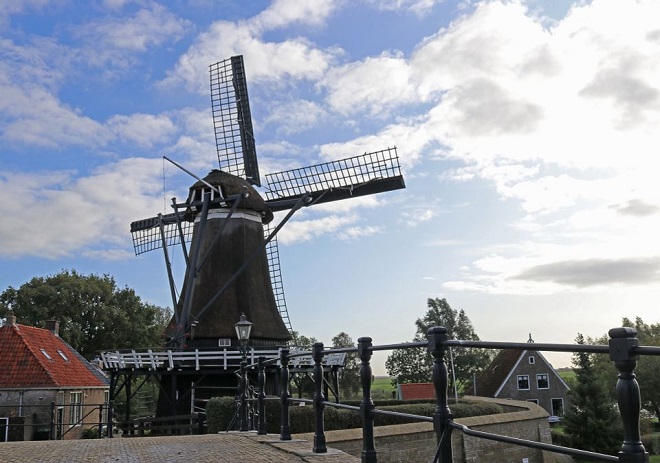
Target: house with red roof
x: 523, y: 375
x: 47, y: 389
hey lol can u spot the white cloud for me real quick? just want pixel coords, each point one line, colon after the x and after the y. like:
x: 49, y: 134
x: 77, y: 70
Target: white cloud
x: 33, y: 116
x: 305, y: 230
x: 142, y: 129
x: 296, y: 116
x: 282, y: 13
x: 294, y: 57
x: 148, y: 27
x: 65, y: 212
x: 375, y: 85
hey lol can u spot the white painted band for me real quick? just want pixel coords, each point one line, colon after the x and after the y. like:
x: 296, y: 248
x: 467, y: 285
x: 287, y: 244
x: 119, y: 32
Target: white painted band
x: 224, y: 213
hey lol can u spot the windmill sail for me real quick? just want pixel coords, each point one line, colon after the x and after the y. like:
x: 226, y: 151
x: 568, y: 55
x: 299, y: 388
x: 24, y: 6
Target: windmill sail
x: 232, y: 120
x: 366, y: 174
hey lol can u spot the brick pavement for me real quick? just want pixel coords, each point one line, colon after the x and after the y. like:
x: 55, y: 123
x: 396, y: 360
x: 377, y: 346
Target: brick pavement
x: 207, y: 448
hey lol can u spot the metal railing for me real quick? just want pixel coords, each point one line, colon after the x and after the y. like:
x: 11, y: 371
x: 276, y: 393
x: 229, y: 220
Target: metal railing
x: 50, y: 422
x: 623, y: 349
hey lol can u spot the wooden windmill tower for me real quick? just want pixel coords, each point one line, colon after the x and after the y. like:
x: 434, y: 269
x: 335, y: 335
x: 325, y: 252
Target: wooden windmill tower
x: 233, y: 261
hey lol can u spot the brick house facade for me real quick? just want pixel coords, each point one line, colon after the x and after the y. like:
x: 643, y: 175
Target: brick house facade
x: 47, y: 389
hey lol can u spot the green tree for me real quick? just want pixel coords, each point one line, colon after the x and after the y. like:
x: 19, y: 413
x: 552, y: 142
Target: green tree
x: 94, y: 314
x: 591, y: 421
x: 648, y: 366
x: 415, y: 365
x: 302, y: 383
x: 349, y: 375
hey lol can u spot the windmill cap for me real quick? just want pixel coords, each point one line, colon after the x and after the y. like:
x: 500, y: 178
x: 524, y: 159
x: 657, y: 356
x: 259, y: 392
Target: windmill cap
x: 231, y: 185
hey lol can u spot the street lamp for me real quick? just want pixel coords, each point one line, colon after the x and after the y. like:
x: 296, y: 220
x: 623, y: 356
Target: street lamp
x: 243, y: 329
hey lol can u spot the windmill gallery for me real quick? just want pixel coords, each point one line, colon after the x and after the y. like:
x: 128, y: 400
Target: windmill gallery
x: 232, y: 261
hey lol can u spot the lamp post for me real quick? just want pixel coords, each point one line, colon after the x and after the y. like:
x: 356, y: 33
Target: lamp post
x: 243, y: 329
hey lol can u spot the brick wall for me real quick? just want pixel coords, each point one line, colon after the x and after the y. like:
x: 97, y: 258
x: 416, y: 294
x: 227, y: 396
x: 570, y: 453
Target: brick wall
x: 416, y: 442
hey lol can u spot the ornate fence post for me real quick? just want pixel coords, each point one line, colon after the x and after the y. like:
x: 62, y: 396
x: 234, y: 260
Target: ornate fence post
x: 243, y: 397
x: 52, y: 422
x: 261, y: 404
x: 319, y: 434
x: 442, y: 415
x: 285, y: 430
x: 367, y: 405
x: 111, y: 418
x: 100, y: 420
x: 622, y: 340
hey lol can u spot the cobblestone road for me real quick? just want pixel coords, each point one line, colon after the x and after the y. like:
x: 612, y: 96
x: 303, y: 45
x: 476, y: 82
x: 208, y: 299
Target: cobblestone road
x: 216, y: 448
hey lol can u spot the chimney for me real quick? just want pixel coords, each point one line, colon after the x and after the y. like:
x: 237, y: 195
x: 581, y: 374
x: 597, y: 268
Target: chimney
x: 53, y: 326
x: 11, y: 318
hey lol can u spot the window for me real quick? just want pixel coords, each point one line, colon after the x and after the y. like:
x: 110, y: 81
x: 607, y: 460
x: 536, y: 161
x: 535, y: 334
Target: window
x: 75, y: 401
x: 558, y: 407
x: 536, y: 401
x: 63, y: 355
x: 43, y: 351
x: 523, y: 382
x: 224, y: 342
x: 532, y: 360
x: 542, y: 381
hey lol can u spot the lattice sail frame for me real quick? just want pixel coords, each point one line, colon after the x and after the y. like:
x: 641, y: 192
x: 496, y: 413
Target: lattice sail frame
x: 369, y: 173
x: 147, y: 236
x: 232, y: 120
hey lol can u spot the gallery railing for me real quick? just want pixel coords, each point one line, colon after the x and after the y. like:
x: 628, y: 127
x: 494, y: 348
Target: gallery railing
x: 623, y: 349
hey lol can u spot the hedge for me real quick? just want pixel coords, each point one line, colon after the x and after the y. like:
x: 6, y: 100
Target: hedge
x: 220, y: 410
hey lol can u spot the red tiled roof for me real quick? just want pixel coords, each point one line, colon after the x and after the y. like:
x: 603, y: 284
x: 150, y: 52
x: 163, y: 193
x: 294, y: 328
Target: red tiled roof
x: 411, y: 391
x: 34, y: 357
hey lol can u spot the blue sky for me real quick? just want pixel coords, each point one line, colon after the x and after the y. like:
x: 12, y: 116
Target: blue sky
x: 527, y: 131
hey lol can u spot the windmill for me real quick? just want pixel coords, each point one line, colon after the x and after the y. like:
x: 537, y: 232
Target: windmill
x: 233, y: 261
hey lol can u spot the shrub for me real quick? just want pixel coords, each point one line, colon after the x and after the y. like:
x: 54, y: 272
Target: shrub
x: 220, y: 411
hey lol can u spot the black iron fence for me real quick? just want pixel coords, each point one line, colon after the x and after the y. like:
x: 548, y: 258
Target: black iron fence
x: 623, y: 349
x: 53, y: 421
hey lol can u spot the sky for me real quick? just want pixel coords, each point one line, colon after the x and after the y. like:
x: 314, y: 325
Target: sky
x: 526, y: 130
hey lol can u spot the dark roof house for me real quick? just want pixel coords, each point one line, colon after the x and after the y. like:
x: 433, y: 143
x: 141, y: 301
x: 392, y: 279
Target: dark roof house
x: 523, y: 375
x: 40, y: 368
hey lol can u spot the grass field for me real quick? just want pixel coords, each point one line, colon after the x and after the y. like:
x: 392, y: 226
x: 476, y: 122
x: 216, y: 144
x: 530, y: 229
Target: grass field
x: 382, y: 387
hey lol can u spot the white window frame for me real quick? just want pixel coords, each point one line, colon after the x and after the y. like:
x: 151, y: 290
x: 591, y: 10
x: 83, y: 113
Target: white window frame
x: 518, y: 378
x: 536, y: 401
x: 547, y: 379
x: 75, y: 408
x: 531, y: 360
x: 561, y: 399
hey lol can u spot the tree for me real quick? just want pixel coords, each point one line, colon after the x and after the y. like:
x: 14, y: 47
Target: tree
x: 302, y: 384
x: 648, y: 366
x: 349, y: 375
x: 591, y: 421
x: 415, y: 365
x: 93, y: 313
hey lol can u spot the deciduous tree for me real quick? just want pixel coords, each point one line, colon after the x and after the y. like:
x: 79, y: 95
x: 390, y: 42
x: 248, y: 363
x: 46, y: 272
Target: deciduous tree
x: 94, y: 314
x: 414, y: 365
x: 349, y: 375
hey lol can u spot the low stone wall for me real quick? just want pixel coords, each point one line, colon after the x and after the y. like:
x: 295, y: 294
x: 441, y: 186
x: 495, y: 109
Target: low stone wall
x: 416, y: 442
